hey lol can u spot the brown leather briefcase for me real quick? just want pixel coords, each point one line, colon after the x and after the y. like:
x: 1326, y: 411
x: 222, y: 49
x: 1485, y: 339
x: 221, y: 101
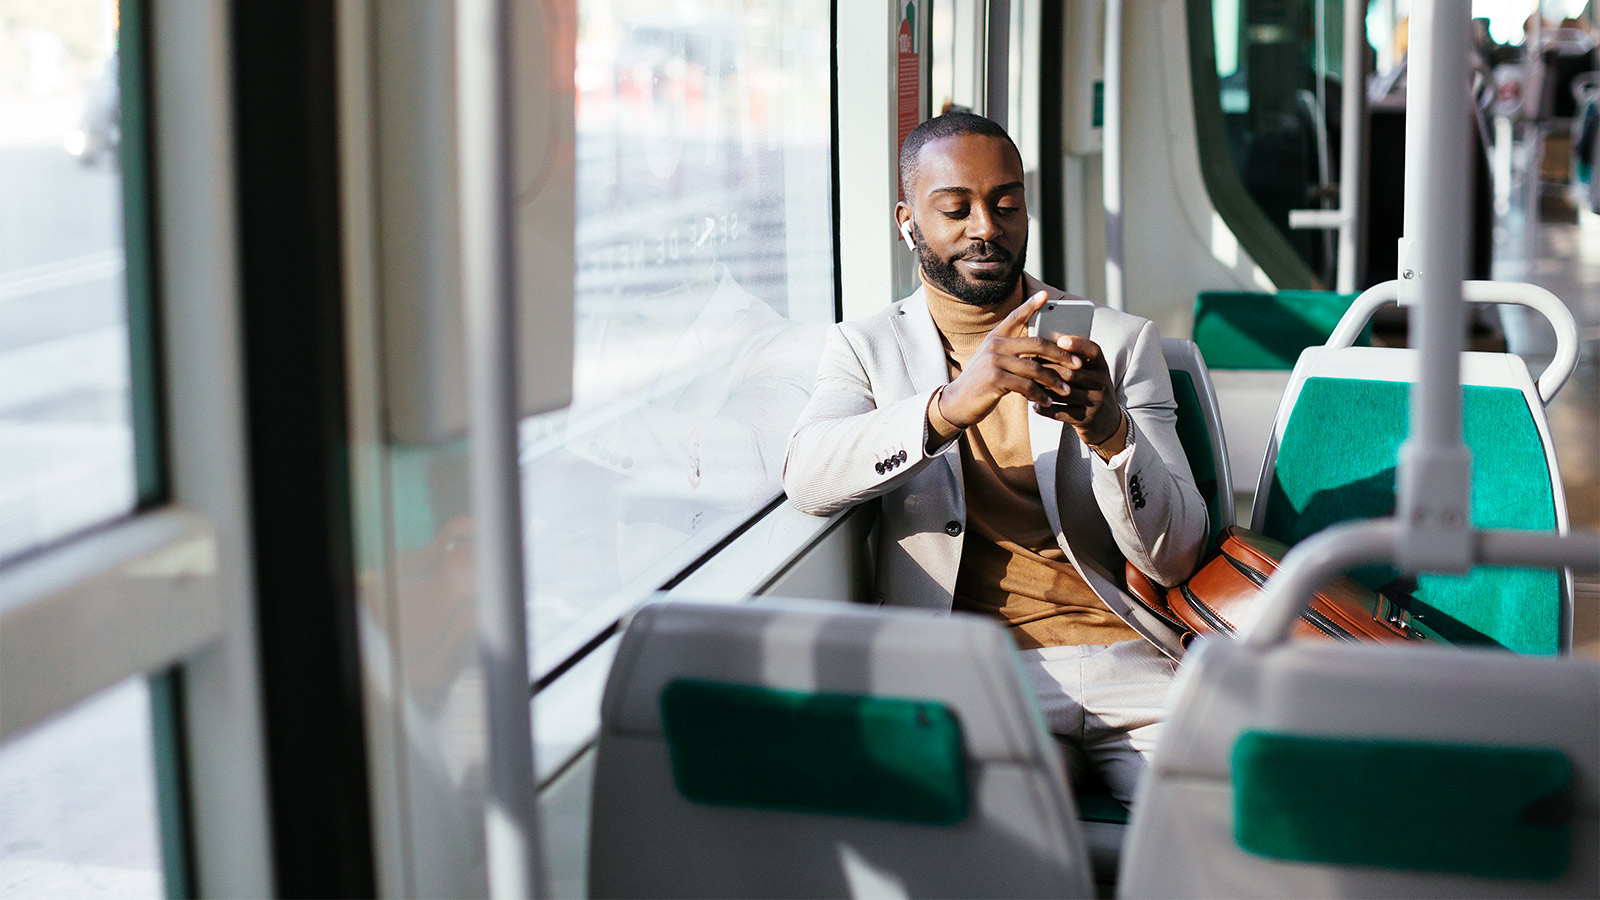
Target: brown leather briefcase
x: 1218, y: 597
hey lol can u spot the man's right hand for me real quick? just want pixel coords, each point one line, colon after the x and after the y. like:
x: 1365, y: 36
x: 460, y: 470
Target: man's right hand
x: 1007, y: 362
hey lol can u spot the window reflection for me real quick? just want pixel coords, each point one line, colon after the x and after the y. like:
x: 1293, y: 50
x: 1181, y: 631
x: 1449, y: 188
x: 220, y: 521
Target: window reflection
x: 66, y: 445
x: 704, y: 280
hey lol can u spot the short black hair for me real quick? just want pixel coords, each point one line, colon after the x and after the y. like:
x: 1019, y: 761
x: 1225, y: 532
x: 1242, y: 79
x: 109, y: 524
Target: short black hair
x: 950, y: 124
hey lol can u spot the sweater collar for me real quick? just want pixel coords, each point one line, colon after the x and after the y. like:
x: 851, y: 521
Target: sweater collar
x: 954, y: 316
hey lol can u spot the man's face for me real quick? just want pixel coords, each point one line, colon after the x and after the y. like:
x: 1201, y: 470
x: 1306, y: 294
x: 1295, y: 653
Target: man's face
x: 969, y: 217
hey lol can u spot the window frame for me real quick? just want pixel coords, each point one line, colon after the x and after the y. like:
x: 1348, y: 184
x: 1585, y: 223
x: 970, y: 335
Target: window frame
x: 167, y: 588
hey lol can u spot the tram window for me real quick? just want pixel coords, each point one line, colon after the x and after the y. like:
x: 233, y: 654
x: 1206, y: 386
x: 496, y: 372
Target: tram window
x: 704, y: 283
x: 66, y: 425
x: 78, y: 796
x: 942, y: 68
x: 1279, y: 70
x: 78, y: 793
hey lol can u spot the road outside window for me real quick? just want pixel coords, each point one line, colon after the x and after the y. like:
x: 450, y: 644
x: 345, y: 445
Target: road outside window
x: 66, y: 443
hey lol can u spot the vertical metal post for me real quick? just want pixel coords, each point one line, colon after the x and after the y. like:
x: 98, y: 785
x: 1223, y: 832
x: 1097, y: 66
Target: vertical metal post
x: 1319, y: 128
x: 1533, y: 76
x: 1418, y: 162
x: 1435, y: 466
x: 1352, y: 140
x: 488, y: 289
x: 1111, y: 143
x: 997, y: 63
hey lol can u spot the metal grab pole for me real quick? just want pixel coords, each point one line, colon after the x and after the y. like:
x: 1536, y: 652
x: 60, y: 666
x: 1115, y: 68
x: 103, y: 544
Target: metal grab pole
x: 1533, y: 76
x: 1441, y: 196
x: 1435, y: 469
x: 1328, y: 553
x: 1555, y: 374
x: 1352, y: 138
x: 483, y: 61
x: 1111, y: 155
x: 996, y: 63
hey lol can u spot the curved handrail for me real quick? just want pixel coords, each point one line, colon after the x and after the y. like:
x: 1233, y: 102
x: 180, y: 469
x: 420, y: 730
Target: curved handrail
x: 1530, y: 295
x: 1330, y: 552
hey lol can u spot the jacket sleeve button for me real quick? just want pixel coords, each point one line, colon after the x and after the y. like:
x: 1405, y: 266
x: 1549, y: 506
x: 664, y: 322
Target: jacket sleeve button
x: 952, y: 528
x: 879, y: 467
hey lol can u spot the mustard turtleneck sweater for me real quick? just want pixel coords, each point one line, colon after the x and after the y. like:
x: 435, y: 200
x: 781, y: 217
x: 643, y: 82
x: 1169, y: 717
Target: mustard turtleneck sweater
x: 1011, y: 565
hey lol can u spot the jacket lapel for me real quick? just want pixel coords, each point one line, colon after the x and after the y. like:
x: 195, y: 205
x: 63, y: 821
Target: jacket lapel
x: 920, y: 346
x: 922, y: 351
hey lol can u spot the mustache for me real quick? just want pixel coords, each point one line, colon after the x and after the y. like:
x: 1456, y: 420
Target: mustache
x: 985, y: 252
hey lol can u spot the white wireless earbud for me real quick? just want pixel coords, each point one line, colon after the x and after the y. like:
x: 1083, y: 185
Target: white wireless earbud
x: 905, y: 232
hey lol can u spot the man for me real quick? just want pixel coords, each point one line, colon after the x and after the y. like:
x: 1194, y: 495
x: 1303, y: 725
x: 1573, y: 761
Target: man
x: 990, y: 504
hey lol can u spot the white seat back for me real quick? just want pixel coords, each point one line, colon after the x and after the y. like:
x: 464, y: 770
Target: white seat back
x: 1018, y: 835
x: 1326, y: 770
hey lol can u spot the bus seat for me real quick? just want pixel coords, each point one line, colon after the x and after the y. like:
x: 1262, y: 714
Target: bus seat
x: 1314, y: 769
x: 1200, y: 430
x: 806, y: 748
x: 1332, y: 458
x: 1250, y: 342
x: 1252, y: 330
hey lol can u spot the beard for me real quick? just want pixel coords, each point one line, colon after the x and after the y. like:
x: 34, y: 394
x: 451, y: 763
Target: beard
x: 986, y: 292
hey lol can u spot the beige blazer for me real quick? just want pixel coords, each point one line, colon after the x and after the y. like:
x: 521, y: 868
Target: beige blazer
x: 862, y: 436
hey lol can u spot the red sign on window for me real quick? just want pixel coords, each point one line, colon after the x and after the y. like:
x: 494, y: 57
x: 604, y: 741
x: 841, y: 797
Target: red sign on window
x: 908, y: 80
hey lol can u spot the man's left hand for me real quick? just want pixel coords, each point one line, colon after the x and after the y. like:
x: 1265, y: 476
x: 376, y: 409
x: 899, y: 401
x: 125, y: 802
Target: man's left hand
x: 1090, y: 405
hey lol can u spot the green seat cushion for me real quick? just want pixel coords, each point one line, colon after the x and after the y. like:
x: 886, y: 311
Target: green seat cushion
x: 1336, y: 462
x: 1196, y: 440
x: 1248, y: 330
x: 1491, y: 812
x: 874, y: 757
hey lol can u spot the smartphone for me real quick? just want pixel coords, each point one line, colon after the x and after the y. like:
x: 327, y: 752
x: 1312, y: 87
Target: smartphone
x: 1058, y: 317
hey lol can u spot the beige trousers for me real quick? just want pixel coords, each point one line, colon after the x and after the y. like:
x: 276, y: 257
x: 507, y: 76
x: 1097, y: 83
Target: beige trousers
x: 1106, y: 703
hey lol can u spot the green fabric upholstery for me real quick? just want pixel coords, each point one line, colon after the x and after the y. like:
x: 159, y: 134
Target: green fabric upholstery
x: 1337, y: 462
x: 1246, y: 330
x: 876, y: 757
x: 1491, y: 812
x: 1196, y: 440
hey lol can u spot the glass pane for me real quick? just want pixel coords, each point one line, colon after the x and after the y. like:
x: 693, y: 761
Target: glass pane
x: 942, y: 66
x: 1279, y: 97
x: 705, y: 278
x: 78, y: 803
x: 66, y: 444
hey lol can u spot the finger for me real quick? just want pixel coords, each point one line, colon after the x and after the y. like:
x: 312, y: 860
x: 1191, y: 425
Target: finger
x: 1088, y: 351
x: 1015, y: 324
x: 1071, y: 415
x: 1027, y: 387
x: 1033, y: 370
x: 1028, y: 308
x: 1030, y: 347
x: 1087, y: 381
